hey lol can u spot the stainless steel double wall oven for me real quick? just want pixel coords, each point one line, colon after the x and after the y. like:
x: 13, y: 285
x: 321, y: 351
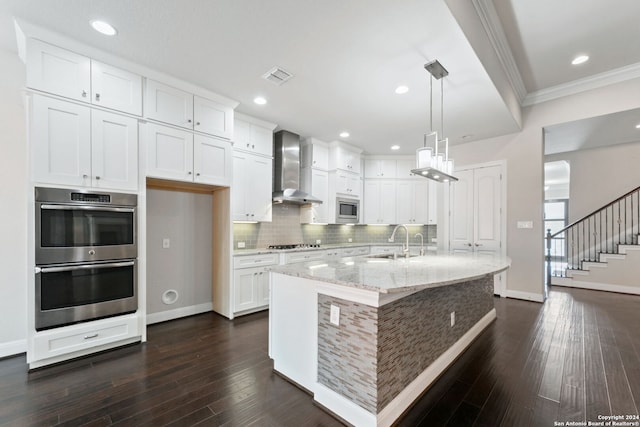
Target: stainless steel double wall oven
x: 86, y: 255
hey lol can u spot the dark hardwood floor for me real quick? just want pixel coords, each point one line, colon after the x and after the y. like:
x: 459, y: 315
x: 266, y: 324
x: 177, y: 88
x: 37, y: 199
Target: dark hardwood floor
x: 571, y: 359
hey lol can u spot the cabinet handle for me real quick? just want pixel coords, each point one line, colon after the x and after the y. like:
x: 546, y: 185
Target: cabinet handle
x: 188, y: 120
x: 97, y: 97
x: 84, y: 93
x: 97, y: 177
x: 252, y: 215
x: 197, y: 123
x: 469, y: 244
x: 253, y: 146
x: 88, y: 337
x: 189, y: 173
x: 85, y: 176
x: 198, y: 174
x: 478, y: 244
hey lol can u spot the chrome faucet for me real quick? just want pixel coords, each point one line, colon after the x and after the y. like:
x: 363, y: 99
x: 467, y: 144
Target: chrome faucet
x: 405, y: 248
x: 421, y: 243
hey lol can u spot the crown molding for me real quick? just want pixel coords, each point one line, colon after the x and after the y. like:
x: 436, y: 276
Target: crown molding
x: 498, y: 39
x: 596, y: 81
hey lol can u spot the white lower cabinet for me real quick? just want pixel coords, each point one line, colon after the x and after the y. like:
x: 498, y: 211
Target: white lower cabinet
x: 83, y: 336
x: 252, y: 188
x: 251, y: 282
x: 182, y: 156
x: 78, y: 146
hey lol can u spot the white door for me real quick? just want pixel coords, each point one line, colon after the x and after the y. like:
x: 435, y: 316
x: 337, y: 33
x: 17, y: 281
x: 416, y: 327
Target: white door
x: 169, y: 153
x: 58, y: 71
x: 168, y: 104
x: 245, y: 289
x: 212, y: 118
x: 114, y: 146
x: 61, y: 142
x: 212, y: 161
x: 476, y: 219
x: 114, y: 88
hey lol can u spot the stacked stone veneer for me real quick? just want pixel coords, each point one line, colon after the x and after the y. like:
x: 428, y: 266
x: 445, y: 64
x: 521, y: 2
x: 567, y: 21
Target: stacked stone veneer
x: 376, y: 352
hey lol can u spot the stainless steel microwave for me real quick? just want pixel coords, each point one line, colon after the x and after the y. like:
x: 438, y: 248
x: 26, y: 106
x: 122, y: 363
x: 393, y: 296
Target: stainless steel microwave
x: 347, y: 211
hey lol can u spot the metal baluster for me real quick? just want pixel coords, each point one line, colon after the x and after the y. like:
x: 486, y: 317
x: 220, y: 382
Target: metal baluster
x: 625, y: 221
x: 619, y: 216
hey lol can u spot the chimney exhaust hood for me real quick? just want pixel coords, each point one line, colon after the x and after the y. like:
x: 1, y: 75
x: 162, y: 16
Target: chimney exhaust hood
x: 286, y: 170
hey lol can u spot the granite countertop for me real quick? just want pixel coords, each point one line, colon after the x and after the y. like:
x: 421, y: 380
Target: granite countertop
x: 400, y: 275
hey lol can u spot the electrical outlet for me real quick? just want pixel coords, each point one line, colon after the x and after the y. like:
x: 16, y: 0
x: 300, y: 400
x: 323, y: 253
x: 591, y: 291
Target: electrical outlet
x: 524, y: 224
x: 166, y: 243
x: 453, y: 318
x: 241, y: 245
x: 349, y: 240
x: 318, y: 241
x: 334, y: 317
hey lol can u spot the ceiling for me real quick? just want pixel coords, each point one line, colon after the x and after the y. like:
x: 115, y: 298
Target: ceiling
x: 347, y: 58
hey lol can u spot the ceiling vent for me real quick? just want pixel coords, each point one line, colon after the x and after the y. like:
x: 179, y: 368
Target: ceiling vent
x: 277, y: 76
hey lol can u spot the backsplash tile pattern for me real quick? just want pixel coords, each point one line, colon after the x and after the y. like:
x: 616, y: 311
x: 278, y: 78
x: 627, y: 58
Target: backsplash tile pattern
x: 376, y: 352
x: 286, y: 228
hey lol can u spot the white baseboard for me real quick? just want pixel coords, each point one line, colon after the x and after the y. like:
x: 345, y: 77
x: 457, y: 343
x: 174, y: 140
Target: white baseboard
x: 12, y: 348
x: 177, y: 313
x: 601, y: 287
x: 358, y: 416
x: 528, y: 296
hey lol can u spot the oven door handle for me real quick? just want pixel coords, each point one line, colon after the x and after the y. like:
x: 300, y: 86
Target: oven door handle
x: 83, y: 267
x: 85, y: 208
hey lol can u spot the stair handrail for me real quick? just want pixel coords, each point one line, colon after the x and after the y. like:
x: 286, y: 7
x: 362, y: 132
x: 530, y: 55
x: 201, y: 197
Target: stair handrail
x: 551, y: 236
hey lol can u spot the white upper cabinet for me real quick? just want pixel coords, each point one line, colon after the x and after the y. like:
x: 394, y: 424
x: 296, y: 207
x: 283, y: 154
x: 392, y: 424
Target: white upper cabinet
x: 180, y: 155
x: 55, y: 70
x: 212, y: 117
x: 114, y: 151
x: 61, y: 72
x: 345, y: 159
x: 403, y: 169
x: 379, y: 202
x: 76, y: 146
x: 347, y: 183
x: 114, y: 88
x: 379, y: 168
x: 252, y: 138
x: 412, y: 203
x: 170, y: 105
x: 251, y: 190
x: 315, y: 154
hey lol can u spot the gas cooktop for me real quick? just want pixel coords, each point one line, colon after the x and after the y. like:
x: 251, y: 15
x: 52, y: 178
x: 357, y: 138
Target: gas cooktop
x: 294, y: 246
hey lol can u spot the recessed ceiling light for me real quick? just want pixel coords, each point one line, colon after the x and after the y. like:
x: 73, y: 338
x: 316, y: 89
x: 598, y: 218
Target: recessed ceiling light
x: 638, y: 126
x: 103, y: 27
x: 344, y: 134
x: 402, y: 89
x: 395, y: 147
x: 259, y: 100
x: 580, y: 59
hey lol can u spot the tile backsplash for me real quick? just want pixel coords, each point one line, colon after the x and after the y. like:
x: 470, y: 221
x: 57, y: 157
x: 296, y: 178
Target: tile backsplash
x: 285, y: 228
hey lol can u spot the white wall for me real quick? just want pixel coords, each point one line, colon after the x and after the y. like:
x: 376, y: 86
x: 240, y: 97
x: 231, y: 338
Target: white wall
x: 525, y: 171
x: 186, y: 219
x: 600, y: 175
x: 13, y: 206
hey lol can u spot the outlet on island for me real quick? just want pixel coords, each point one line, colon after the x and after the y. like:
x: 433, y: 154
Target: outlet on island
x: 453, y: 318
x: 334, y: 316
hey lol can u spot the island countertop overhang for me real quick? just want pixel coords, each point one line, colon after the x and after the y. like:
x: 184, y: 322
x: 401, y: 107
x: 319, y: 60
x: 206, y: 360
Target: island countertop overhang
x: 399, y: 275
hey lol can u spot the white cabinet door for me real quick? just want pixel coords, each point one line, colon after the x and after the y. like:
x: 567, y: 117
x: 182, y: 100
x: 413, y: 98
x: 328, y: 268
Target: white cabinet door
x: 114, y: 146
x: 251, y: 187
x: 241, y: 135
x: 320, y: 189
x: 212, y: 118
x: 346, y: 160
x: 387, y: 202
x: 239, y: 210
x: 168, y: 104
x: 380, y: 202
x: 319, y: 156
x: 432, y: 215
x: 114, y: 88
x: 348, y: 183
x: 476, y: 200
x: 212, y: 161
x: 420, y: 191
x: 245, y: 289
x: 55, y: 70
x: 403, y: 169
x: 169, y: 153
x: 404, y: 202
x: 263, y: 289
x: 262, y: 140
x: 61, y: 142
x: 379, y: 168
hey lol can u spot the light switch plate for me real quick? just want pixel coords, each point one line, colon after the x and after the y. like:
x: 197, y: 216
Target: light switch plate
x: 166, y: 243
x: 318, y: 241
x: 241, y: 245
x: 525, y: 224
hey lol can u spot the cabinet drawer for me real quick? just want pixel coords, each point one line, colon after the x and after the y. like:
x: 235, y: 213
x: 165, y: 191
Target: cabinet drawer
x: 83, y: 336
x: 255, y: 260
x: 293, y: 257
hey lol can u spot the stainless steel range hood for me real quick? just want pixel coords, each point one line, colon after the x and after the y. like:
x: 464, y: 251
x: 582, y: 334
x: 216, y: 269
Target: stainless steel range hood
x: 286, y: 168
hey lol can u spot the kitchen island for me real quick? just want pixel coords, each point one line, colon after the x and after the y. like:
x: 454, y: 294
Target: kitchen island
x: 367, y: 335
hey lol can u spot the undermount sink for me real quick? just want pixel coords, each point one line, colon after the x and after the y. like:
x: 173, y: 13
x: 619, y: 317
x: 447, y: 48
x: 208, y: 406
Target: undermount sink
x: 390, y: 256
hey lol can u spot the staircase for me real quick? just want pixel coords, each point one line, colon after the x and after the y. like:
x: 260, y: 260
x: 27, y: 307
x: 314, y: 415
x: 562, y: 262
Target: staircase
x: 600, y: 251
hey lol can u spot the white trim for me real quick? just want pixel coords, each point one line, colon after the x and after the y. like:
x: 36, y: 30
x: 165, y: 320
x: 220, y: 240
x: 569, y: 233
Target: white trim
x: 601, y: 287
x: 528, y: 296
x: 360, y: 417
x: 254, y: 120
x: 12, y: 348
x: 498, y: 39
x: 596, y: 81
x: 178, y: 312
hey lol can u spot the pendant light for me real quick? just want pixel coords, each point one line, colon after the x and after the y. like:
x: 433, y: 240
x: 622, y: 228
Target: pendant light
x: 430, y: 162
